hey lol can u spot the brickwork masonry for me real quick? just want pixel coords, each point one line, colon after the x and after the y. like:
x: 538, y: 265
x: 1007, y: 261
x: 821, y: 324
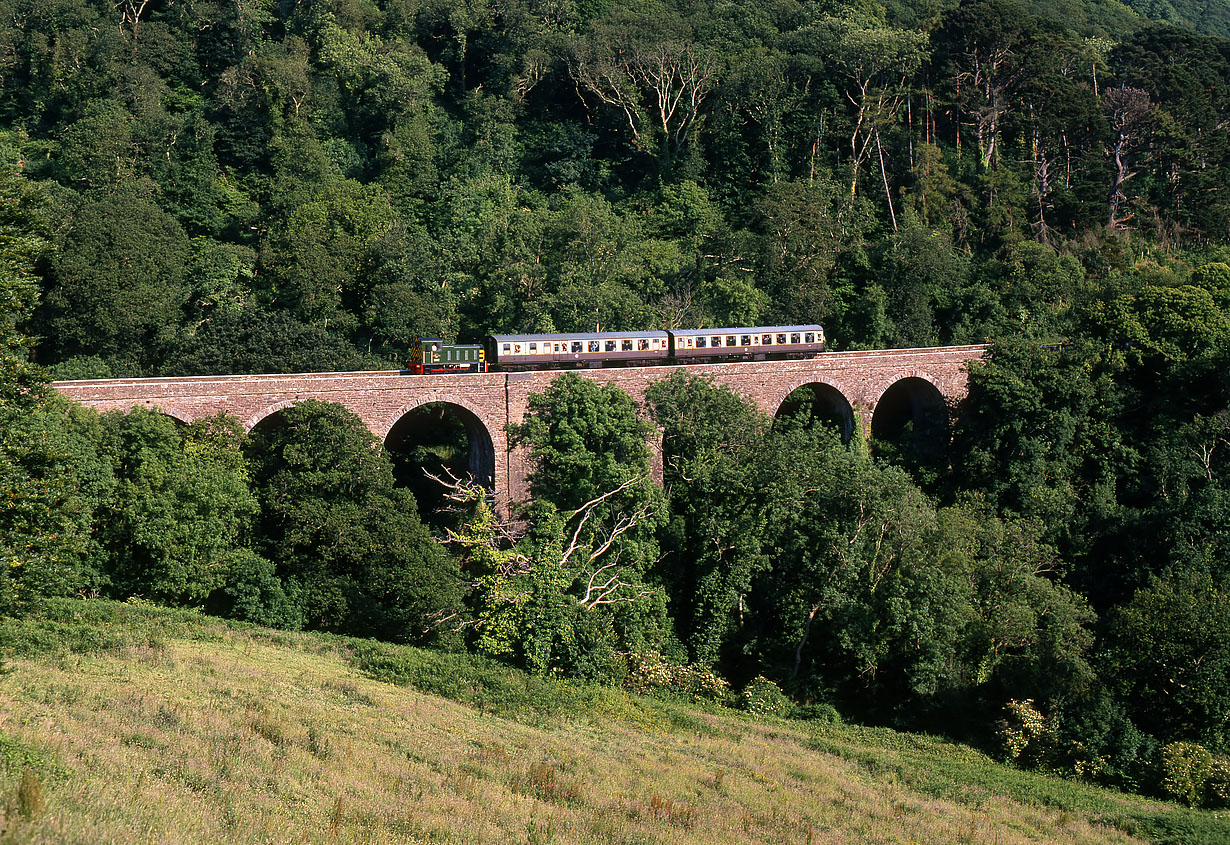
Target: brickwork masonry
x: 494, y: 400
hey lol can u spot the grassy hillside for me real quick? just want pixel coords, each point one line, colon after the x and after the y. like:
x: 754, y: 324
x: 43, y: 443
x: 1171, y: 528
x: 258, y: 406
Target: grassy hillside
x: 122, y: 723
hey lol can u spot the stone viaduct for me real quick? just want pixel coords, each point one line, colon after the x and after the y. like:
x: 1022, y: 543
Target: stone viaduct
x: 879, y: 391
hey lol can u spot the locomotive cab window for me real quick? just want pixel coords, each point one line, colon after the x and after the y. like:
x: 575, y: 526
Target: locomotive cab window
x: 626, y: 346
x: 593, y: 346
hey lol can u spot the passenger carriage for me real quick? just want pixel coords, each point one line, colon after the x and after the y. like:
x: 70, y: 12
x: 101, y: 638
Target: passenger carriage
x: 593, y: 349
x: 754, y: 342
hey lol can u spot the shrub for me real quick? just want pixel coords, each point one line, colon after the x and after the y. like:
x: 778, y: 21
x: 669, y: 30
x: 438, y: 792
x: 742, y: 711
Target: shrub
x: 824, y: 713
x: 652, y: 674
x: 1219, y: 783
x: 1028, y: 736
x: 762, y: 697
x: 1186, y: 767
x: 253, y: 592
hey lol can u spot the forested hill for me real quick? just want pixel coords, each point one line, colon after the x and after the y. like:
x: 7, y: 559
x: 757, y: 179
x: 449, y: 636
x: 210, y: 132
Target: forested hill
x: 258, y: 186
x: 203, y: 187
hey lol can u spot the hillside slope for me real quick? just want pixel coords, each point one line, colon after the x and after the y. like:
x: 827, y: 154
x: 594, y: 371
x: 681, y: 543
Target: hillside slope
x: 121, y: 723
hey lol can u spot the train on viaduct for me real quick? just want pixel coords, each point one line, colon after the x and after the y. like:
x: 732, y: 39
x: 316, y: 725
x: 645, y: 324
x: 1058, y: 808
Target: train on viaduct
x: 878, y: 391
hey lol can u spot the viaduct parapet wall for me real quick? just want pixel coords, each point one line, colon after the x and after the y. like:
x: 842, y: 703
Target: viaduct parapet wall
x: 856, y: 384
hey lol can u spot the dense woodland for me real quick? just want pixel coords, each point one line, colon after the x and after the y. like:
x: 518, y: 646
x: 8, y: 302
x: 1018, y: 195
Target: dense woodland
x: 202, y: 187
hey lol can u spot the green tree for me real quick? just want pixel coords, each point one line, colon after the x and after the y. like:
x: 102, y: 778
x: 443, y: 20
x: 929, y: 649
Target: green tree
x: 40, y: 526
x: 591, y: 547
x: 119, y: 282
x: 255, y: 340
x: 348, y: 544
x: 585, y: 440
x: 181, y: 507
x: 1034, y: 432
x: 318, y: 245
x: 648, y: 68
x: 714, y: 542
x: 1027, y: 635
x: 852, y: 604
x: 1167, y: 654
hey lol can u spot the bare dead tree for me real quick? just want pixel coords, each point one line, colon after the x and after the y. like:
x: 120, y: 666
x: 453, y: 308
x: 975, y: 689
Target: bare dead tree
x: 597, y: 559
x: 1128, y: 111
x: 658, y: 86
x: 130, y: 15
x: 605, y: 578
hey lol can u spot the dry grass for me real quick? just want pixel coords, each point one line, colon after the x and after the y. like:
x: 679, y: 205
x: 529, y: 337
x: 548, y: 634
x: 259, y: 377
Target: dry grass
x: 242, y: 738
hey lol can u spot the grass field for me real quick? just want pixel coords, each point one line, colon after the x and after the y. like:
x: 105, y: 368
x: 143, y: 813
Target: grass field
x: 122, y: 723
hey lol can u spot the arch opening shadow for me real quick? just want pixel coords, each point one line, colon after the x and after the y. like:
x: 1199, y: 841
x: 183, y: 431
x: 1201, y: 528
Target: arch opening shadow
x: 817, y: 403
x: 439, y: 438
x: 272, y: 421
x: 910, y: 427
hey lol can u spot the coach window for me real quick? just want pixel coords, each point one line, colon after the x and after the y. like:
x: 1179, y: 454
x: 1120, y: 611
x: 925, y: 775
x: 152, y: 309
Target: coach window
x: 810, y: 337
x: 516, y: 349
x: 700, y: 343
x: 593, y: 346
x: 642, y: 344
x: 576, y: 346
x: 766, y: 340
x: 610, y: 346
x: 794, y: 338
x: 781, y: 338
x: 745, y: 340
x: 625, y: 346
x: 533, y: 348
x: 506, y: 348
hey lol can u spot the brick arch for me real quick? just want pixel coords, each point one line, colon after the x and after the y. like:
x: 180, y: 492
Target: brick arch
x: 263, y: 414
x: 382, y: 431
x: 483, y: 456
x: 845, y: 414
x: 817, y: 378
x: 929, y: 413
x: 177, y: 415
x: 902, y: 375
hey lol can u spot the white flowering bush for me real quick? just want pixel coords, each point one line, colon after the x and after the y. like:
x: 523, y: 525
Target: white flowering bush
x: 1219, y: 783
x: 762, y: 697
x: 653, y: 674
x: 1028, y: 736
x: 1186, y: 768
